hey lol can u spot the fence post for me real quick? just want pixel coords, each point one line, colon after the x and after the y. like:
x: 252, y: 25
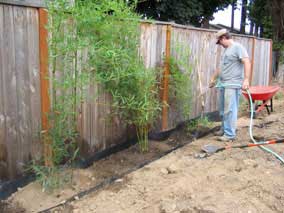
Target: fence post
x: 44, y: 84
x: 252, y: 60
x: 165, y: 94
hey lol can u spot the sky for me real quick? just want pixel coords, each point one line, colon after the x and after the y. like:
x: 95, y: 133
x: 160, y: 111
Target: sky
x: 224, y: 17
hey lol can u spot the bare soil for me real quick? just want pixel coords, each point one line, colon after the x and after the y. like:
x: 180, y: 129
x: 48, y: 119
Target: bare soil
x: 235, y: 180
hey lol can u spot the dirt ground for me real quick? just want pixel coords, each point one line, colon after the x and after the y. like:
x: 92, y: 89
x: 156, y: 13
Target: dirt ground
x: 235, y: 180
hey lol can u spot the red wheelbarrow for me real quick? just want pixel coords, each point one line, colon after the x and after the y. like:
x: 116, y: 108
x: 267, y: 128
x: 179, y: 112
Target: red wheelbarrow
x: 263, y: 94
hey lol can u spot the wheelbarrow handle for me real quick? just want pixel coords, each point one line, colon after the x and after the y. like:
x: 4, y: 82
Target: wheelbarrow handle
x: 253, y: 144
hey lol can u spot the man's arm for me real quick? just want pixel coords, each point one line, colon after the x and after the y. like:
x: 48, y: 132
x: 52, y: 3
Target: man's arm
x: 247, y: 69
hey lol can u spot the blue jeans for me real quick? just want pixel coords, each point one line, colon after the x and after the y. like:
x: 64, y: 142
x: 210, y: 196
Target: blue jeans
x: 228, y: 108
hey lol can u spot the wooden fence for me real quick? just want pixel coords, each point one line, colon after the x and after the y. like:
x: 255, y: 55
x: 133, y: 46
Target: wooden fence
x: 205, y: 57
x: 24, y: 87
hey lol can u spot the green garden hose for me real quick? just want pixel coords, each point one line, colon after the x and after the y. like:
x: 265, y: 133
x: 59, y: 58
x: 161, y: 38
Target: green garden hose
x: 250, y: 131
x: 222, y: 85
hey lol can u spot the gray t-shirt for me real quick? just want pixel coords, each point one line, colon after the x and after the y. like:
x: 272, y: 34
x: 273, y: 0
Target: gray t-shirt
x: 232, y: 68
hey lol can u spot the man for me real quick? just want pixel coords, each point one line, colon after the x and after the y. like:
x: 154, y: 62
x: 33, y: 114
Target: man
x: 233, y: 75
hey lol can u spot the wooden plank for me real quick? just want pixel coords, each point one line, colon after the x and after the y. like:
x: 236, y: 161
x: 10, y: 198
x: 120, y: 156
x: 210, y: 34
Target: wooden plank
x: 266, y: 54
x: 148, y: 35
x: 159, y: 46
x: 252, y: 61
x: 3, y: 145
x: 196, y: 49
x: 267, y: 59
x: 144, y: 43
x: 270, y: 62
x: 265, y: 71
x: 109, y: 129
x: 22, y: 89
x: 104, y: 122
x: 153, y: 60
x: 211, y: 93
x: 27, y: 3
x: 34, y: 84
x: 9, y: 89
x: 94, y: 99
x: 94, y: 128
x: 85, y: 125
x: 100, y: 123
x: 207, y: 67
x: 260, y: 64
x: 44, y: 82
x: 255, y: 64
x: 166, y: 80
x: 263, y: 64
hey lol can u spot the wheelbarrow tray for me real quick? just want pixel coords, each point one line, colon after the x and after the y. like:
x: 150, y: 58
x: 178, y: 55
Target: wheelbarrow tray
x: 264, y: 94
x: 261, y: 93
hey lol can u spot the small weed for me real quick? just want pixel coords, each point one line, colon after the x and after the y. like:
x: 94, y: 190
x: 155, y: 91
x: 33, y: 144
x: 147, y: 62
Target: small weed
x: 279, y: 95
x: 50, y: 178
x: 201, y: 122
x: 204, y: 122
x: 191, y: 126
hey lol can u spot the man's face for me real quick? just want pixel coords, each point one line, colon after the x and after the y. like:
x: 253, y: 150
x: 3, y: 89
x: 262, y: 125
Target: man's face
x: 222, y: 41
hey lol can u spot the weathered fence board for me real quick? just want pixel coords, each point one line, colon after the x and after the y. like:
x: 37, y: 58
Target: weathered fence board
x: 22, y: 85
x: 19, y: 87
x: 10, y: 89
x: 34, y: 85
x: 3, y: 147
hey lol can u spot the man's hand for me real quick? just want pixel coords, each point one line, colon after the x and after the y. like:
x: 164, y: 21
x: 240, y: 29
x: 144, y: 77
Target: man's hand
x: 212, y: 83
x: 245, y: 84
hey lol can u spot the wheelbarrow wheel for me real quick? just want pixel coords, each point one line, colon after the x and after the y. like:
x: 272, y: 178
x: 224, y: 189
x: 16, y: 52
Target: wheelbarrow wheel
x: 255, y: 107
x: 253, y: 115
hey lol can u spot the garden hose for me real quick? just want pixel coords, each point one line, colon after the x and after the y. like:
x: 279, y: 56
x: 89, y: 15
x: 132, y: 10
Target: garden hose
x: 250, y: 131
x: 222, y: 85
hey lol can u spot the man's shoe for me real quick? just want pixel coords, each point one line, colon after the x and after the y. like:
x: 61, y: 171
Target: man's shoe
x: 219, y: 133
x: 225, y: 139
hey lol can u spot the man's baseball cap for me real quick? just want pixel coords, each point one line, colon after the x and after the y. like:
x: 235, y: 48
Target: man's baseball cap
x: 220, y: 33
